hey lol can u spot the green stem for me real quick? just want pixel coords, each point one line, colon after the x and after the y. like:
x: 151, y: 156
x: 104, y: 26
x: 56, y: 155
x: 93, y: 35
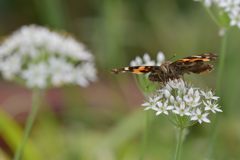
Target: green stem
x: 29, y: 124
x: 145, y: 136
x: 180, y: 138
x: 212, y: 16
x: 222, y: 56
x: 221, y: 66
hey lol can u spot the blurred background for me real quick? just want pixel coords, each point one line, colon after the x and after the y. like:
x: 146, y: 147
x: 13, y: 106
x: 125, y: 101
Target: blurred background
x: 105, y: 121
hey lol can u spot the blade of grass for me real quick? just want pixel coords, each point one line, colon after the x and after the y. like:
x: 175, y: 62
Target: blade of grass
x: 11, y: 133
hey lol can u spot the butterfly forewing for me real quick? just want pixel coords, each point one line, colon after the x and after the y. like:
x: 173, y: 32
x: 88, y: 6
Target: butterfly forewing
x: 136, y: 69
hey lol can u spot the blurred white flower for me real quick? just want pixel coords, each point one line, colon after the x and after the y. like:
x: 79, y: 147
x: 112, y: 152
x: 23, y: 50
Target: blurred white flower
x: 10, y: 67
x: 61, y: 71
x: 36, y: 75
x: 230, y: 7
x: 222, y: 32
x: 181, y: 99
x: 146, y: 60
x: 235, y: 18
x: 85, y: 73
x: 160, y: 58
x: 42, y: 58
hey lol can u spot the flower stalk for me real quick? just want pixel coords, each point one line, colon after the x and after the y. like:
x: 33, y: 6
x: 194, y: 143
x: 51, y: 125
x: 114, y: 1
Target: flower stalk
x: 36, y: 95
x: 222, y: 59
x: 180, y: 139
x: 145, y: 136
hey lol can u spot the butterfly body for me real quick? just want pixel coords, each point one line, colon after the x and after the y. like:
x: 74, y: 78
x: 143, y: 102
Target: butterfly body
x: 173, y: 70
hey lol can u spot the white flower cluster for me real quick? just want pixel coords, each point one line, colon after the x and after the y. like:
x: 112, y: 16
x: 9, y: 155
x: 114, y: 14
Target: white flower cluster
x: 231, y: 7
x: 179, y: 98
x: 42, y: 58
x: 146, y: 60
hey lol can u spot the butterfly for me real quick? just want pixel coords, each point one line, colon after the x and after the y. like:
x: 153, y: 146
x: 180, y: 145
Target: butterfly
x: 173, y: 70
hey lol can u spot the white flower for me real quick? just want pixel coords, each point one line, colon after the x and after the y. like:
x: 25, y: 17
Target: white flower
x: 177, y: 84
x: 162, y: 108
x: 137, y: 62
x: 200, y: 117
x: 230, y: 7
x: 160, y: 58
x: 10, y: 67
x: 85, y: 73
x: 183, y: 100
x: 179, y: 100
x: 166, y: 93
x: 172, y: 99
x: 152, y: 102
x: 192, y: 98
x: 235, y: 18
x: 209, y: 95
x: 42, y: 58
x: 222, y: 32
x: 146, y: 60
x: 182, y: 110
x: 36, y: 75
x: 61, y: 71
x: 211, y: 106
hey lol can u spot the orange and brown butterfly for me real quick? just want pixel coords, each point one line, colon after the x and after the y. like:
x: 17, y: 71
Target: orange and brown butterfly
x: 173, y: 70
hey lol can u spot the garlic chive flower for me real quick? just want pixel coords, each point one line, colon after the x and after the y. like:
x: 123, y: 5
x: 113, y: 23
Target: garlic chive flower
x: 41, y: 58
x: 162, y: 108
x: 199, y: 116
x: 230, y: 7
x: 151, y: 103
x: 182, y: 100
x: 147, y: 61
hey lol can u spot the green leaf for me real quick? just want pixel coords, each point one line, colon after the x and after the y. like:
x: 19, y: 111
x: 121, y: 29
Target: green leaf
x: 12, y: 135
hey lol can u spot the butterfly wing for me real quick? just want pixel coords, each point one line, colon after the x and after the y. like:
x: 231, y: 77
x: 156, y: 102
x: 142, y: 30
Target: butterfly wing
x: 136, y: 69
x: 194, y: 64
